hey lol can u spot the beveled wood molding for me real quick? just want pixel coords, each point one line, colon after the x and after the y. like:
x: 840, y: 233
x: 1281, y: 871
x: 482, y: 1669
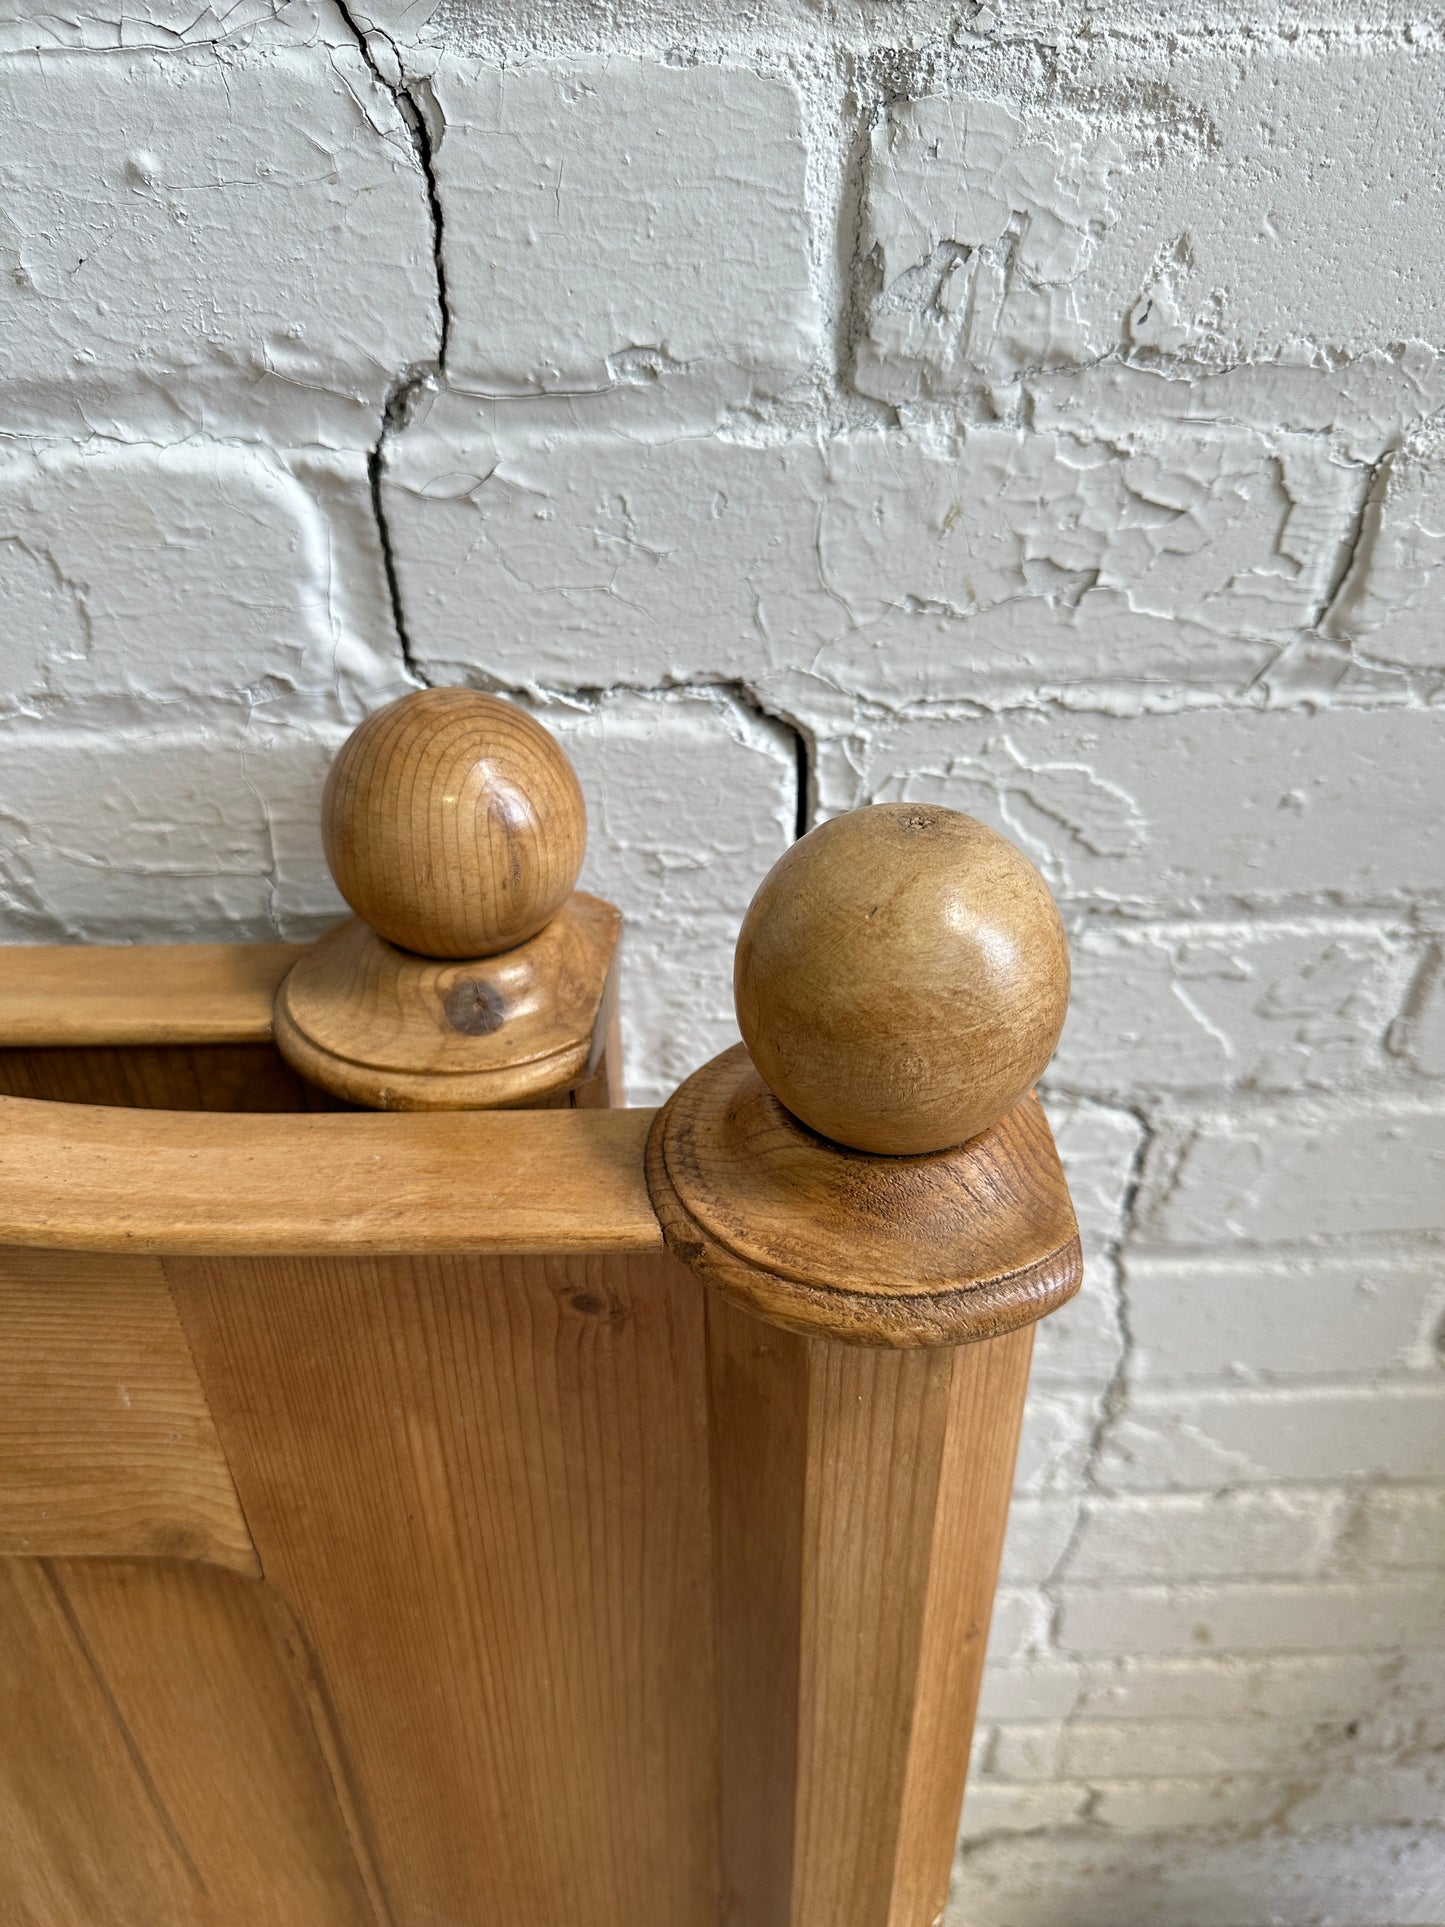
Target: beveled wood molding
x: 85, y: 1177
x: 943, y: 1248
x: 70, y: 995
x: 107, y: 1445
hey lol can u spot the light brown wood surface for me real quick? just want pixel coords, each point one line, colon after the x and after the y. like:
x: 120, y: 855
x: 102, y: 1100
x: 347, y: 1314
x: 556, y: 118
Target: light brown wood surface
x: 160, y: 1764
x: 176, y: 993
x: 454, y: 824
x: 482, y: 1486
x: 938, y: 1250
x: 901, y: 978
x: 106, y: 1442
x: 168, y: 1077
x: 592, y: 1589
x: 859, y: 1506
x: 88, y: 1177
x: 381, y: 1027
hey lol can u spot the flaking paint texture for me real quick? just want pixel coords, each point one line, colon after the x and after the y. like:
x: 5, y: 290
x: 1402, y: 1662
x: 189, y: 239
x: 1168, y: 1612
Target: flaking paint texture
x: 803, y: 403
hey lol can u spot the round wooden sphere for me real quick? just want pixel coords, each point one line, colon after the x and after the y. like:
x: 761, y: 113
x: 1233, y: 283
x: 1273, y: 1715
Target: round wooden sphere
x: 901, y: 978
x: 454, y: 824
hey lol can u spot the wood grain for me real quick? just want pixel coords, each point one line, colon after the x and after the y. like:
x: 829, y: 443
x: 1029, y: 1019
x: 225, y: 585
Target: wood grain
x: 937, y: 1250
x: 381, y: 1027
x: 158, y: 1763
x: 182, y: 993
x: 168, y: 1077
x: 901, y: 978
x: 453, y: 823
x: 482, y: 1486
x: 107, y: 1446
x: 859, y: 1505
x: 84, y: 1177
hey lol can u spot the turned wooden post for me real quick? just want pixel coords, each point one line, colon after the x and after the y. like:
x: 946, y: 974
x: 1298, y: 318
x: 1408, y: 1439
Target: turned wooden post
x: 473, y: 975
x: 876, y: 1255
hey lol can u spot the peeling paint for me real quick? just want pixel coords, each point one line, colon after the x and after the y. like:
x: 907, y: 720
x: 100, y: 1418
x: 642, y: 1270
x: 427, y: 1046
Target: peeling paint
x: 799, y: 407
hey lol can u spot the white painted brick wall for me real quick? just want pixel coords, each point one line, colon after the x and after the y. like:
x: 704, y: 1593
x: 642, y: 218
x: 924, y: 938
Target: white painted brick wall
x: 1169, y: 199
x: 1034, y: 412
x: 1271, y: 1315
x: 223, y: 238
x: 613, y: 220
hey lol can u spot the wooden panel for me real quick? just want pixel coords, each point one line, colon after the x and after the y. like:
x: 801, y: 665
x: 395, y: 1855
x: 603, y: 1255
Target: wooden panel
x: 170, y: 1077
x: 188, y: 993
x: 482, y: 1485
x: 157, y: 1764
x: 87, y: 1177
x: 106, y: 1442
x: 987, y: 1387
x: 859, y: 1500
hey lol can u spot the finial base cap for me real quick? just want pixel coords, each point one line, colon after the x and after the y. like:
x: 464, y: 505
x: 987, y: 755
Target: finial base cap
x: 939, y: 1249
x: 397, y: 1032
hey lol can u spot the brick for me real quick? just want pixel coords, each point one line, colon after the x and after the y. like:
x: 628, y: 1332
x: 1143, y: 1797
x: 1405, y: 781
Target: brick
x: 1282, y: 1179
x: 1161, y: 812
x: 1082, y: 1343
x: 1041, y: 1686
x: 1217, y: 1437
x: 1196, y: 1748
x: 1405, y: 1613
x: 1206, y: 1006
x: 1019, y: 1625
x: 1380, y: 1792
x: 1089, y: 1876
x: 119, y: 23
x: 610, y: 227
x: 980, y: 221
x: 990, y: 1808
x: 1169, y: 1805
x: 203, y: 244
x: 1256, y: 1316
x: 1365, y: 404
x: 1038, y: 1532
x: 901, y: 567
x: 1224, y: 1535
x: 1396, y: 1528
x: 1099, y: 1147
x: 1023, y: 1751
x: 1057, y: 1428
x: 1391, y: 601
x: 114, y: 600
x: 163, y: 837
x: 1343, y: 1688
x: 1035, y: 224
x: 1419, y: 1036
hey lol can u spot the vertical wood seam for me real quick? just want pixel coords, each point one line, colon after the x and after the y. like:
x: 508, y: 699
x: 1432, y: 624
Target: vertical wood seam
x: 259, y: 1573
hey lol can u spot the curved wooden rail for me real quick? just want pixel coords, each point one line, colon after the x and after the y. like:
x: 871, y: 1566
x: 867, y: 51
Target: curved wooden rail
x: 123, y: 995
x: 83, y: 1177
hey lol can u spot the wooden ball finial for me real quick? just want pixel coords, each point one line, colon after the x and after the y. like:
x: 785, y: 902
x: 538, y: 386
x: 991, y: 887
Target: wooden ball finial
x: 473, y: 975
x: 873, y: 1167
x: 901, y: 978
x: 454, y: 824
